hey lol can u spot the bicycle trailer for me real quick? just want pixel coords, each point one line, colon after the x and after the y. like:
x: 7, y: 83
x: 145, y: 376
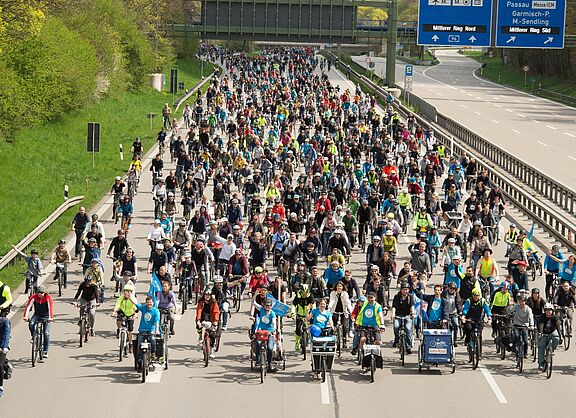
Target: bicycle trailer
x: 370, y: 350
x: 436, y: 348
x: 323, y: 347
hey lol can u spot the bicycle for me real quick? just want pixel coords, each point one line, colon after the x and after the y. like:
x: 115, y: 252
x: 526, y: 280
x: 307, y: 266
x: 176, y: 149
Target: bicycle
x: 554, y: 288
x: 38, y: 342
x: 502, y: 331
x: 145, y: 361
x: 402, y: 337
x: 115, y: 206
x: 475, y: 345
x: 235, y: 288
x: 548, y: 355
x: 534, y: 265
x: 534, y: 336
x: 84, y: 324
x: 262, y: 337
x: 565, y: 327
x: 206, y: 341
x: 372, y: 349
x: 302, y: 323
x: 165, y: 327
x: 123, y: 342
x: 340, y: 332
x: 362, y: 233
x: 519, y: 348
x: 183, y: 292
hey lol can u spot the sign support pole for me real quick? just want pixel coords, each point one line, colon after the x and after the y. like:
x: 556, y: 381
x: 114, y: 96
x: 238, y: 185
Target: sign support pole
x: 391, y: 43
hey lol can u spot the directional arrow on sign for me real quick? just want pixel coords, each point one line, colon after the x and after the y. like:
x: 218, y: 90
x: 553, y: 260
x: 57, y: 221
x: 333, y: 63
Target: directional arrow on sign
x: 512, y: 39
x: 435, y: 38
x: 547, y: 41
x: 472, y: 38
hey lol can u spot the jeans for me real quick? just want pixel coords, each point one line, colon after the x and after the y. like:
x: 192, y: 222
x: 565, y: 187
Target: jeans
x: 224, y: 308
x: 47, y: 326
x: 542, y: 345
x: 140, y: 339
x: 455, y: 325
x: 269, y: 349
x: 2, y: 361
x: 91, y: 310
x: 78, y: 244
x: 407, y: 326
x: 325, y: 239
x: 521, y: 332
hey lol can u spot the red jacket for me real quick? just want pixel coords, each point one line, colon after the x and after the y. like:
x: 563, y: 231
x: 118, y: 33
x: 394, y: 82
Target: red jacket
x: 42, y: 306
x: 214, y: 310
x: 243, y: 261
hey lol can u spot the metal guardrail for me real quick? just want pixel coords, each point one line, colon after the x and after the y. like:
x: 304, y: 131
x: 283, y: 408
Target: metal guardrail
x: 185, y: 97
x: 562, y: 98
x: 10, y: 255
x: 547, y: 217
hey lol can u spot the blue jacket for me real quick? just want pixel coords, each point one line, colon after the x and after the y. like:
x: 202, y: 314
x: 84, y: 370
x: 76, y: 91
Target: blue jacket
x: 4, y: 334
x: 332, y: 277
x: 552, y: 265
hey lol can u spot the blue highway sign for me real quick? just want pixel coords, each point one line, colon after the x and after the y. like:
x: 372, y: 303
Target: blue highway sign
x: 409, y: 70
x: 454, y: 22
x: 530, y: 23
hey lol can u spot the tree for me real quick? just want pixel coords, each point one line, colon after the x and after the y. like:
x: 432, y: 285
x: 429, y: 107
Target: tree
x: 19, y: 19
x: 372, y: 16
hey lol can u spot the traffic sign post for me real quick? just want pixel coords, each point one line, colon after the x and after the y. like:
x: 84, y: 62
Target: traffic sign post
x: 408, y: 74
x: 93, y: 139
x: 454, y: 22
x: 530, y: 24
x: 525, y: 69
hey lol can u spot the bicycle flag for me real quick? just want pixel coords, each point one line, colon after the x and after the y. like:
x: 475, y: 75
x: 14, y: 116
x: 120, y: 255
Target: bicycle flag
x: 531, y: 233
x: 155, y: 287
x: 279, y: 308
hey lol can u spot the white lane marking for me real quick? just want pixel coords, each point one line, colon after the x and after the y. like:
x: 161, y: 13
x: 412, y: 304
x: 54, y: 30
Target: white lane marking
x: 495, y: 121
x: 508, y: 110
x: 518, y: 132
x: 478, y: 113
x: 156, y: 375
x: 536, y: 121
x: 493, y: 385
x: 521, y: 115
x: 551, y: 127
x: 463, y: 105
x: 569, y: 134
x: 574, y: 158
x: 324, y: 394
x: 542, y: 143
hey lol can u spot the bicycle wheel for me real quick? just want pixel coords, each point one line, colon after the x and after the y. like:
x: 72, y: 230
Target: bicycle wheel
x: 238, y: 297
x: 372, y: 368
x: 59, y: 283
x: 303, y: 342
x: 86, y: 329
x: 34, y: 349
x: 184, y: 296
x: 165, y: 352
x: 502, y: 348
x: 251, y: 358
x: 402, y: 345
x: 338, y: 340
x: 262, y: 360
x: 122, y: 342
x: 206, y: 350
x: 323, y: 369
x: 520, y: 355
x: 82, y: 331
x: 476, y: 359
x: 567, y: 333
x: 534, y: 346
x: 144, y: 366
x: 533, y: 272
x: 549, y: 356
x: 40, y: 343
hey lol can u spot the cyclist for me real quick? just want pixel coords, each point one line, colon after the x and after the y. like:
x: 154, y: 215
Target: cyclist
x: 301, y: 306
x: 89, y: 293
x: 149, y: 323
x: 552, y: 267
x: 500, y: 301
x: 167, y: 301
x: 452, y: 307
x: 565, y: 298
x: 435, y: 312
x: 60, y: 255
x: 266, y: 321
x: 333, y: 274
x: 487, y: 268
x: 79, y: 224
x: 567, y: 269
x: 5, y: 299
x: 126, y: 307
x: 340, y: 303
x: 317, y: 284
x: 536, y: 303
x: 322, y: 317
x: 43, y: 306
x: 549, y: 328
x: 34, y: 267
x: 468, y: 282
x: 473, y: 313
x: 454, y: 272
x: 301, y: 275
x: 125, y: 211
x: 219, y: 292
x: 369, y: 317
x: 95, y: 274
x: 402, y: 306
x: 207, y: 311
x: 523, y: 321
x: 238, y: 267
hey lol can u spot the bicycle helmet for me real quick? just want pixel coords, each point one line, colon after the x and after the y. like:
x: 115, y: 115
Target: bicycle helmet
x: 62, y: 241
x: 453, y: 285
x: 129, y: 287
x: 118, y: 178
x: 535, y: 290
x: 548, y: 306
x: 362, y: 299
x: 405, y: 285
x: 218, y: 279
x: 41, y: 289
x: 207, y: 290
x: 476, y: 292
x: 258, y: 269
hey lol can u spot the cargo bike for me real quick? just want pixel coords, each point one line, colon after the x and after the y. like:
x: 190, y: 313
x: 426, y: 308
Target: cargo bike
x: 323, y: 350
x: 436, y: 348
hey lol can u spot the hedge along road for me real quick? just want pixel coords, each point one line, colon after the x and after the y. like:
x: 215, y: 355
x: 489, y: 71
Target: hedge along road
x: 228, y: 386
x: 540, y: 132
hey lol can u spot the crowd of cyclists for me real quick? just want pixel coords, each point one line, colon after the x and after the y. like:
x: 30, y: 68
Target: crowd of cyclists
x: 280, y: 176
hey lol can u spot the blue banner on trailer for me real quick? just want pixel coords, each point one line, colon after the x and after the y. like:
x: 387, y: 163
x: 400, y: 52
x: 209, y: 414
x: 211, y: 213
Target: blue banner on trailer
x: 531, y: 24
x: 454, y: 22
x: 437, y: 346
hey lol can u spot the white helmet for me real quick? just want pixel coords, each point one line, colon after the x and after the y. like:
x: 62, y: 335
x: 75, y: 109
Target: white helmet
x: 218, y: 279
x: 118, y: 178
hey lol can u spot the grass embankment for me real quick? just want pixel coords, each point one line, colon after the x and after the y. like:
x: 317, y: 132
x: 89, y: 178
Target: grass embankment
x: 512, y: 76
x: 41, y: 160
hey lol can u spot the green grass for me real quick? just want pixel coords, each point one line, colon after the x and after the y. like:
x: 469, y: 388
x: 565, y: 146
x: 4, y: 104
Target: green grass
x: 417, y: 61
x: 512, y: 76
x: 41, y: 160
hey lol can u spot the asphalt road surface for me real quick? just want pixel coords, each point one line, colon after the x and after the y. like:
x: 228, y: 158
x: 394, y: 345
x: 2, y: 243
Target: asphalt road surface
x: 91, y: 382
x: 540, y: 132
